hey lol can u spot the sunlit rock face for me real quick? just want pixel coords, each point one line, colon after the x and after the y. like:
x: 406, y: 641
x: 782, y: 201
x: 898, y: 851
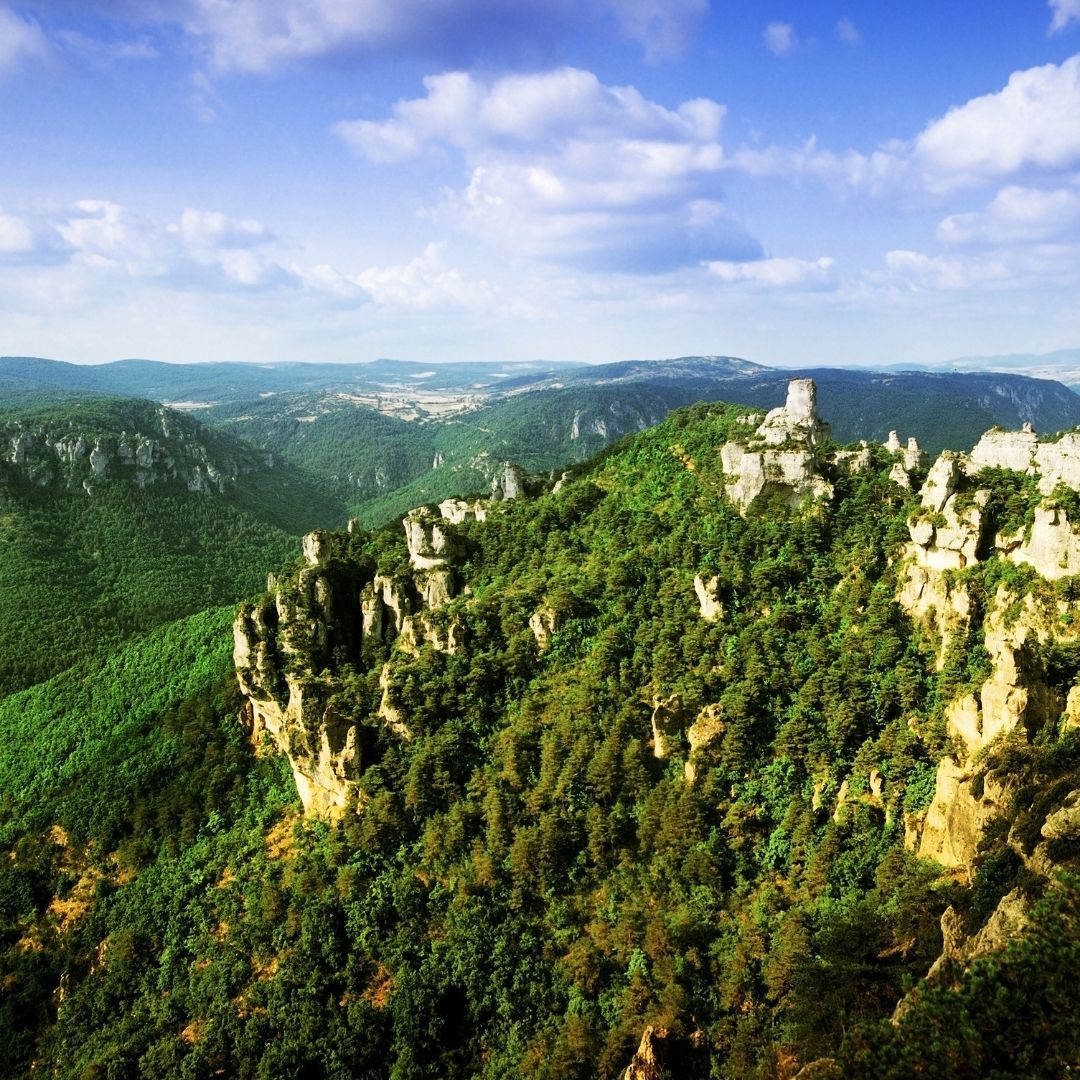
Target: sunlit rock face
x: 289, y: 648
x: 164, y: 450
x: 797, y: 419
x: 950, y: 533
x: 782, y: 457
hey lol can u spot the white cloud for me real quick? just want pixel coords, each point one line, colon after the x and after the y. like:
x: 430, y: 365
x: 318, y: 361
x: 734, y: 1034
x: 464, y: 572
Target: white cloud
x: 778, y: 273
x: 847, y: 32
x: 16, y: 237
x: 20, y: 39
x: 209, y: 229
x: 561, y: 166
x: 779, y: 38
x: 1030, y: 129
x: 426, y: 282
x: 99, y: 241
x: 1034, y: 122
x: 1017, y: 215
x: 204, y: 250
x: 264, y: 35
x: 1065, y: 12
x: 542, y: 110
x: 1038, y: 269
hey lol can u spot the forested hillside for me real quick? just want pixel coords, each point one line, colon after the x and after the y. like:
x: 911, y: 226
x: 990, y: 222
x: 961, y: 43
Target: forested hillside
x: 633, y: 763
x: 117, y: 516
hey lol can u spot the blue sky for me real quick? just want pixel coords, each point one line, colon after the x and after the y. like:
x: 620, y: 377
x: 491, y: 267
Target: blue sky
x: 574, y: 180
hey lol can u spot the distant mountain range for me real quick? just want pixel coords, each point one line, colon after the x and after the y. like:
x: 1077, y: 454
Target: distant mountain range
x: 1062, y: 364
x: 384, y: 436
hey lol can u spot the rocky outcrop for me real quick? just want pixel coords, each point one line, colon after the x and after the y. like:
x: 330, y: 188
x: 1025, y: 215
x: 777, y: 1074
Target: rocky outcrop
x: 783, y: 456
x: 951, y: 532
x: 708, y: 594
x: 1050, y: 545
x: 156, y: 447
x: 850, y: 462
x: 702, y: 736
x: 543, y: 622
x: 650, y: 1061
x: 509, y: 482
x: 667, y: 720
x: 458, y: 511
x: 797, y: 419
x: 1055, y: 462
x: 965, y: 802
x: 1014, y: 450
x: 289, y: 651
x: 663, y: 1055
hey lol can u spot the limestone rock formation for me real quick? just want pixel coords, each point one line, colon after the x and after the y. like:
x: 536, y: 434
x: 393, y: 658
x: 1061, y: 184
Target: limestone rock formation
x: 667, y: 725
x: 797, y: 419
x: 912, y: 457
x: 649, y: 1063
x: 431, y: 544
x: 457, y: 511
x: 288, y: 648
x: 1051, y: 545
x: 702, y: 735
x: 1018, y: 698
x: 853, y: 461
x: 665, y: 1055
x: 542, y: 623
x: 959, y: 948
x: 1014, y: 450
x: 509, y: 482
x: 711, y: 606
x: 163, y: 449
x: 783, y: 456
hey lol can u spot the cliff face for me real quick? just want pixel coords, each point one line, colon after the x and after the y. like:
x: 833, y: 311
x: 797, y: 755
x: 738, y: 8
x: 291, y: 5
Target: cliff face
x: 290, y: 648
x: 786, y: 455
x: 1014, y: 697
x: 137, y: 442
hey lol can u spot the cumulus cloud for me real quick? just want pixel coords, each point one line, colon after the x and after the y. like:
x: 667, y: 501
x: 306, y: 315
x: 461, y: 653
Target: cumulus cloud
x: 779, y: 38
x: 1029, y: 128
x: 426, y: 282
x: 562, y: 166
x: 1034, y: 122
x: 1065, y: 12
x: 1017, y: 215
x: 204, y: 249
x: 778, y: 273
x: 20, y: 40
x: 98, y: 241
x: 542, y: 110
x: 209, y: 229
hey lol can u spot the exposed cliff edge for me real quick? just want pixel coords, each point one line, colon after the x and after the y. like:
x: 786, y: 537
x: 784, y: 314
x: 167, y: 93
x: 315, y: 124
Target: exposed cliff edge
x: 788, y: 454
x: 291, y: 648
x: 87, y: 445
x: 985, y: 573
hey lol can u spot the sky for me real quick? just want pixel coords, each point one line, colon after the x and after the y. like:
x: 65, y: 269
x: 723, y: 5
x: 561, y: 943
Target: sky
x: 591, y: 180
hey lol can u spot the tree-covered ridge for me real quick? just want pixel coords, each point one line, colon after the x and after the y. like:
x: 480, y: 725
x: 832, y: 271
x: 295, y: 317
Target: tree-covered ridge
x: 104, y: 537
x: 527, y: 883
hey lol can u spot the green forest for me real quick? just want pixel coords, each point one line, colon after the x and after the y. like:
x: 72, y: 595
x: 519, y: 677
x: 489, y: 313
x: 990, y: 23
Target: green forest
x: 525, y: 884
